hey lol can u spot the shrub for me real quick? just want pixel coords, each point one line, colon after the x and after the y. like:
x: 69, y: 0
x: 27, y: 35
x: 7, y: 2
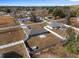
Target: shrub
x: 58, y: 12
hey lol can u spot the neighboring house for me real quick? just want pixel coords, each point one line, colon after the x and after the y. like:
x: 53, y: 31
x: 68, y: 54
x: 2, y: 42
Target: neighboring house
x: 2, y: 13
x: 23, y: 13
x: 40, y: 12
x: 24, y: 19
x: 29, y: 13
x: 38, y: 19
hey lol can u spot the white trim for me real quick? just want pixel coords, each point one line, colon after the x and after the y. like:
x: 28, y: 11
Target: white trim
x: 46, y: 21
x: 10, y: 44
x: 26, y: 38
x: 49, y: 27
x: 13, y: 44
x: 26, y: 49
x: 42, y: 36
x: 71, y: 27
x: 24, y: 29
x: 55, y: 33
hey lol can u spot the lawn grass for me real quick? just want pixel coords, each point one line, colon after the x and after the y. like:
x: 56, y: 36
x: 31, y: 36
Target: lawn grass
x: 28, y: 22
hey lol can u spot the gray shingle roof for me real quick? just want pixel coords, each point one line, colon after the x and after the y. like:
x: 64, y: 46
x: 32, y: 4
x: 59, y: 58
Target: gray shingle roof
x: 56, y: 24
x: 35, y: 32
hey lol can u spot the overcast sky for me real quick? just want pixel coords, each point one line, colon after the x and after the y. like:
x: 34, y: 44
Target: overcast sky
x: 38, y: 2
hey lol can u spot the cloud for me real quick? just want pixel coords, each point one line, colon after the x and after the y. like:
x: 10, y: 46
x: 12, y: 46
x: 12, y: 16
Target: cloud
x: 73, y: 0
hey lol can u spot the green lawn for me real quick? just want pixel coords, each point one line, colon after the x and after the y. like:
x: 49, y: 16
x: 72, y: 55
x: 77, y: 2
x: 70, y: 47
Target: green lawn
x: 28, y: 22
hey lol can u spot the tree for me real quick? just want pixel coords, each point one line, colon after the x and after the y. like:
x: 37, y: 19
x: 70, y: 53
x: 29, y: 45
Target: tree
x: 33, y: 17
x: 73, y: 14
x: 58, y: 12
x: 8, y: 11
x: 70, y: 14
x: 33, y: 9
x: 68, y: 20
x: 66, y: 7
x: 78, y: 12
x: 50, y: 11
x: 73, y: 41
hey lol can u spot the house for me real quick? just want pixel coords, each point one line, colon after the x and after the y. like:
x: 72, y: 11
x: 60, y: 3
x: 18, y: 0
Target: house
x: 18, y: 49
x: 10, y: 37
x: 24, y: 19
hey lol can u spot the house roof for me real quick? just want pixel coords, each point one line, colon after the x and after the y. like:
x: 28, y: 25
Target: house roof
x: 52, y: 52
x: 41, y: 42
x: 37, y: 29
x: 20, y: 49
x: 25, y: 19
x: 6, y: 20
x: 10, y: 36
x: 62, y: 32
x: 35, y: 32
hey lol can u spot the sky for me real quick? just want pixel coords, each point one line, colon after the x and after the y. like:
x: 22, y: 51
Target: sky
x: 38, y: 2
